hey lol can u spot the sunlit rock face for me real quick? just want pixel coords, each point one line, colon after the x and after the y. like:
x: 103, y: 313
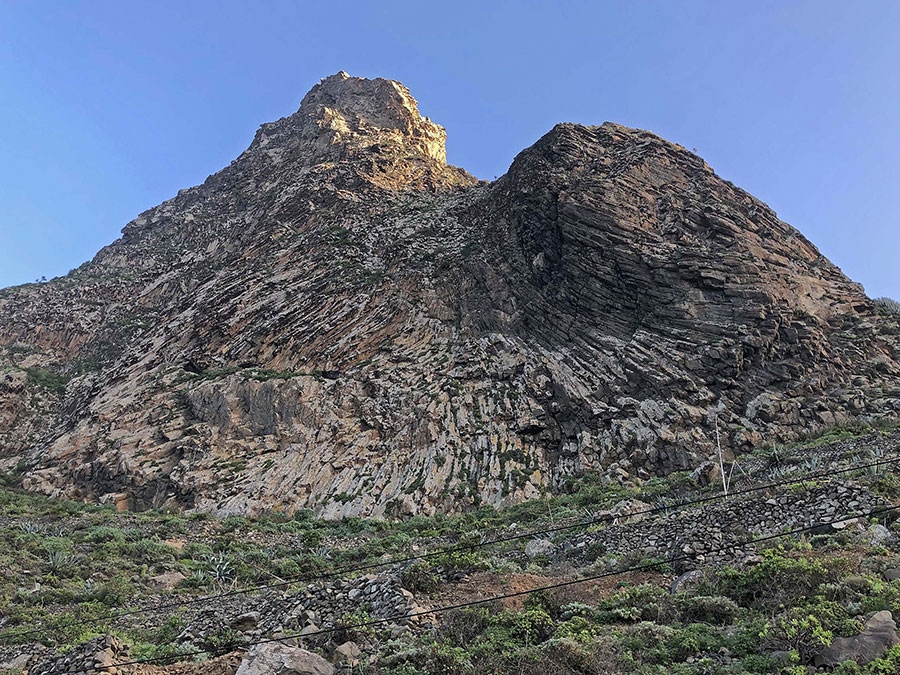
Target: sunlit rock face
x: 341, y: 321
x: 342, y: 116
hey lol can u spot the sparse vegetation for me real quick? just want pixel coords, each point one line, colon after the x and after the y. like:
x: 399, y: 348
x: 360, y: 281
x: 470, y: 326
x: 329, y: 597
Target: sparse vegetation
x: 50, y: 380
x: 888, y: 305
x: 86, y: 561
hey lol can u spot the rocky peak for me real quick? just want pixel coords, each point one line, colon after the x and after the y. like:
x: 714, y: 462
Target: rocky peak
x: 374, y: 123
x: 352, y: 138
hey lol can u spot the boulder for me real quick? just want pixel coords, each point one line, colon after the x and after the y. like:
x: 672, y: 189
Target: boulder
x: 18, y: 664
x: 706, y: 474
x: 686, y: 582
x: 537, y: 547
x: 246, y: 621
x: 105, y: 658
x: 879, y: 635
x: 273, y: 658
x: 167, y: 580
x: 347, y: 654
x: 878, y: 534
x: 630, y: 511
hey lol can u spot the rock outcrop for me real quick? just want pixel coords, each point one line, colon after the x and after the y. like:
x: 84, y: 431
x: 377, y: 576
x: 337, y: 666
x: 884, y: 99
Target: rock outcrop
x: 879, y: 634
x: 341, y: 321
x: 277, y: 659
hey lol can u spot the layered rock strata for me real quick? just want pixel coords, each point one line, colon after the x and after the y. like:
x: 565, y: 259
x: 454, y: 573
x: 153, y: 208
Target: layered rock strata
x: 341, y: 321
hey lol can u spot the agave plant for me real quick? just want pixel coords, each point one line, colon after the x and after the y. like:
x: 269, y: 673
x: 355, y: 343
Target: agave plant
x: 781, y: 472
x: 662, y: 507
x: 56, y: 531
x: 321, y: 552
x: 31, y: 527
x: 219, y: 570
x: 875, y: 455
x: 59, y: 560
x: 814, y: 464
x: 774, y: 456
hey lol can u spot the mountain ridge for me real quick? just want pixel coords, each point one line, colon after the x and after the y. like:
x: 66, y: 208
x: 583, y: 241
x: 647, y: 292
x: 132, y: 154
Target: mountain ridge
x: 339, y: 320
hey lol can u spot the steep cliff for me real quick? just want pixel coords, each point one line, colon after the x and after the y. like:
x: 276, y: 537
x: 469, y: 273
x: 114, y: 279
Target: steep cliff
x: 340, y: 320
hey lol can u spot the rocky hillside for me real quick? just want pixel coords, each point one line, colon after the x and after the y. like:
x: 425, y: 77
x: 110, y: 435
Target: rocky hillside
x: 797, y: 570
x: 341, y: 321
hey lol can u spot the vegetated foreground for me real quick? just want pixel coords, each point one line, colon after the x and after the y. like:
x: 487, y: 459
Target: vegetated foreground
x: 671, y: 582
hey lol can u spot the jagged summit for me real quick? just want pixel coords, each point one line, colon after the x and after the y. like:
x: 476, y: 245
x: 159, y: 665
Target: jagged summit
x: 366, y: 112
x: 371, y: 122
x: 339, y: 320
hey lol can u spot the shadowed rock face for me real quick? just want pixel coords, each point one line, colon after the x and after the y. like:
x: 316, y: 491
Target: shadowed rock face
x: 341, y: 321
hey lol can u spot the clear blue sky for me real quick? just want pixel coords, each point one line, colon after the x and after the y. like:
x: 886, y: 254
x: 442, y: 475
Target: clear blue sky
x: 110, y: 107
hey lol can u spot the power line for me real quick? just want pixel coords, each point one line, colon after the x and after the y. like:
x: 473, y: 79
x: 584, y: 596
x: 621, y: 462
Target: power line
x: 505, y: 596
x: 445, y: 551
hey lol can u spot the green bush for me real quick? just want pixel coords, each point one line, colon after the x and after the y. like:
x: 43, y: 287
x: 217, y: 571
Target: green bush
x: 114, y: 592
x: 779, y: 581
x: 419, y: 578
x: 196, y: 551
x: 889, y: 664
x: 712, y: 609
x: 577, y: 629
x: 645, y: 602
x: 692, y: 640
x: 47, y: 379
x: 222, y: 641
x: 446, y: 660
x: 102, y: 534
x: 800, y: 631
x: 887, y: 485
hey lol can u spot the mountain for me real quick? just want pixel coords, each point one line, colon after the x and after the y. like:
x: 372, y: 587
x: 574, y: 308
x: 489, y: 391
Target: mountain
x: 339, y: 320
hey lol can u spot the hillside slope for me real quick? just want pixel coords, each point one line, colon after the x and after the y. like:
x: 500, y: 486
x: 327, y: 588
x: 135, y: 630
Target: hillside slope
x: 671, y: 577
x: 341, y: 321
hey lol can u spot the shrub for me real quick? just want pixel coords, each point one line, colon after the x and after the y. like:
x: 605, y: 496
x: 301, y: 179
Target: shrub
x: 114, y: 592
x: 577, y: 629
x: 887, y: 305
x: 465, y: 561
x: 801, y: 632
x: 196, y: 551
x: 462, y: 627
x: 153, y: 551
x: 102, y: 534
x: 645, y: 602
x: 712, y: 609
x: 446, y: 660
x: 693, y: 639
x: 889, y: 664
x: 419, y: 578
x: 47, y: 379
x: 778, y: 581
x: 887, y: 485
x: 222, y: 641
